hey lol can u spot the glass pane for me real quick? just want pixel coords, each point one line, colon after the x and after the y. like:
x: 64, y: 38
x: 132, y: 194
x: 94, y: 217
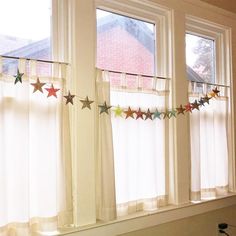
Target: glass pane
x: 200, y: 58
x: 125, y: 44
x: 25, y: 27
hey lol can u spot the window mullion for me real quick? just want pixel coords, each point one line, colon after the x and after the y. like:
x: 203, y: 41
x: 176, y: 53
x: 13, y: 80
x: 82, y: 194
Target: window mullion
x: 82, y: 59
x: 179, y: 128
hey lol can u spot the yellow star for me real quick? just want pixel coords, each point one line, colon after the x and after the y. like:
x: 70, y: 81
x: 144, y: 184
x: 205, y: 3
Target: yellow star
x: 118, y: 111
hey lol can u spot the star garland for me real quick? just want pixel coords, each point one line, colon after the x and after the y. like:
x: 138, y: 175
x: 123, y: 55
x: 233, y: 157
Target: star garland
x: 127, y: 113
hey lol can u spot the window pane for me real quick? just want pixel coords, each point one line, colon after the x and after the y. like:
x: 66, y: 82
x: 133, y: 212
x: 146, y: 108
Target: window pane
x: 125, y: 44
x: 200, y: 58
x: 25, y: 28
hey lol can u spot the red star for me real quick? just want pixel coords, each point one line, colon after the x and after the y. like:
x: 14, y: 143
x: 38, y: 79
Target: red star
x: 188, y: 107
x: 139, y: 114
x: 52, y: 91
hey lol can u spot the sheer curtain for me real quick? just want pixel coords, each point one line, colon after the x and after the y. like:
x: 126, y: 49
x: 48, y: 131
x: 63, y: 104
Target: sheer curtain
x: 209, y: 129
x: 139, y: 145
x: 105, y: 177
x: 34, y: 165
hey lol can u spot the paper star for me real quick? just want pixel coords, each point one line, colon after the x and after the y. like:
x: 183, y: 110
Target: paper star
x: 118, y: 111
x: 212, y: 94
x: 69, y: 98
x: 180, y: 110
x: 188, y: 107
x: 148, y: 115
x: 52, y: 91
x: 38, y: 86
x: 129, y: 113
x: 157, y: 114
x: 206, y: 99
x: 201, y: 101
x: 104, y: 108
x: 18, y: 76
x: 86, y: 103
x: 172, y: 113
x: 195, y: 105
x: 139, y: 114
x: 166, y: 114
x: 216, y: 91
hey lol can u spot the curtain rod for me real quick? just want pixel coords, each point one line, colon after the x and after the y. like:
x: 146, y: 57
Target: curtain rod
x: 159, y: 77
x: 220, y: 85
x: 31, y: 59
x: 149, y: 76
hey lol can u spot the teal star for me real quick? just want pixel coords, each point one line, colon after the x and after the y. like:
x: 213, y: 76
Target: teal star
x: 157, y: 114
x: 104, y: 108
x: 18, y: 76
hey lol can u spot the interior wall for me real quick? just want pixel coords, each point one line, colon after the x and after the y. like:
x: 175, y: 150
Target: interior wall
x: 204, y: 224
x: 229, y: 5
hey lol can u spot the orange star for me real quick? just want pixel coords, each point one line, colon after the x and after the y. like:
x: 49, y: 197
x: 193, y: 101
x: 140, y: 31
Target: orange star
x: 180, y: 110
x: 129, y: 113
x: 52, y: 91
x: 38, y: 86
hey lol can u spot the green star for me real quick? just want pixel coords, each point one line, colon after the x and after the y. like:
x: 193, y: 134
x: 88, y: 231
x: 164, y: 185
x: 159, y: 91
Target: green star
x: 18, y: 76
x: 86, y: 103
x: 172, y: 113
x: 166, y: 114
x: 104, y: 108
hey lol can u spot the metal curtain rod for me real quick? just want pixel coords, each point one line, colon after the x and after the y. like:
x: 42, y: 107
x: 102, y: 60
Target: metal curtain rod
x: 31, y: 59
x: 220, y: 85
x: 149, y: 76
x: 159, y: 77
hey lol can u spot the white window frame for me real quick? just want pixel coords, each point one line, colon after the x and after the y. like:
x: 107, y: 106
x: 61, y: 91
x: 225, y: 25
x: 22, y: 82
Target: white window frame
x: 81, y: 55
x: 221, y: 36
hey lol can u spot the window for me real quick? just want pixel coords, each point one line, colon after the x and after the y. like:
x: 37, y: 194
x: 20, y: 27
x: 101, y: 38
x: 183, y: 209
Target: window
x: 26, y: 34
x: 127, y: 48
x: 200, y: 58
x: 33, y: 172
x: 210, y: 127
x: 25, y: 28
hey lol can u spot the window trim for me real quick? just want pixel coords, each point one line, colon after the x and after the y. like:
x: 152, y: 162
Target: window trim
x: 221, y: 35
x: 83, y: 171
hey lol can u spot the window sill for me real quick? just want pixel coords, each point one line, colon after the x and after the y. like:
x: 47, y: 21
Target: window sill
x: 143, y: 220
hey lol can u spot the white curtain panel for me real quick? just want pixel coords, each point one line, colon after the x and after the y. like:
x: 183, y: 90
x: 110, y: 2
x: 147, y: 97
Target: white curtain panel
x: 35, y: 192
x: 139, y: 148
x: 209, y: 130
x: 105, y: 177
